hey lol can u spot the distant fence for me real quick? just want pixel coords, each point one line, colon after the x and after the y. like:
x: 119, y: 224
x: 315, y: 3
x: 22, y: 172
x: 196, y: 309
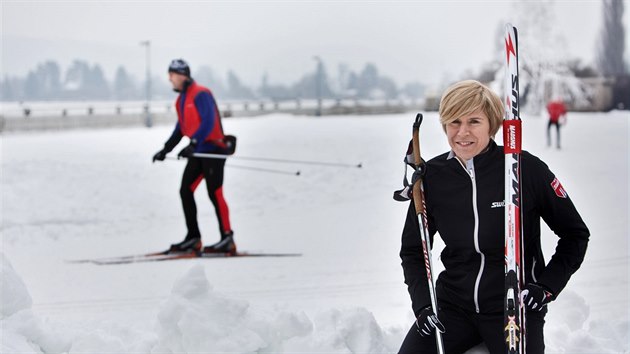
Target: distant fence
x: 72, y: 115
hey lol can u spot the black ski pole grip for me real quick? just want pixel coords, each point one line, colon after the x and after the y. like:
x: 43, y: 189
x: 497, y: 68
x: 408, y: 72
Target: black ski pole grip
x: 418, y: 121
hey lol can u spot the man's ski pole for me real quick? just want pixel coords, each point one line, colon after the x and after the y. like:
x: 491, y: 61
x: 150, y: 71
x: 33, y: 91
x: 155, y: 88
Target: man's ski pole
x: 277, y: 160
x: 418, y: 200
x: 252, y: 168
x: 269, y: 170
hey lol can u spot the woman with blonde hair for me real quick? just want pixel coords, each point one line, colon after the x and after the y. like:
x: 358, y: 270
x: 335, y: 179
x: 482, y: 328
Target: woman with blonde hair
x: 464, y: 195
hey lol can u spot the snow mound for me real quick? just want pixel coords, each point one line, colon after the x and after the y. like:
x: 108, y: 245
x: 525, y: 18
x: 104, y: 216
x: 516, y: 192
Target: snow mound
x: 196, y: 319
x: 15, y: 296
x: 573, y: 331
x: 22, y: 331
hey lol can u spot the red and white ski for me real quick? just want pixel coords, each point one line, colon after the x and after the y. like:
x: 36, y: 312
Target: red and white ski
x: 514, y: 311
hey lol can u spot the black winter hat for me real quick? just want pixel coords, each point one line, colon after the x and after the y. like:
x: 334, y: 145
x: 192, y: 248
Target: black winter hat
x: 179, y: 66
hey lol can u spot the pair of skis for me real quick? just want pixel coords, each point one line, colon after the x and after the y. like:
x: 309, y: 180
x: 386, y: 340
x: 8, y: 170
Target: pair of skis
x: 514, y: 311
x: 168, y: 256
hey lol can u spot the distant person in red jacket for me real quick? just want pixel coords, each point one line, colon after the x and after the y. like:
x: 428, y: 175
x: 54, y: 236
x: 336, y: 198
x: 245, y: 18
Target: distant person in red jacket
x: 557, y: 116
x: 199, y: 120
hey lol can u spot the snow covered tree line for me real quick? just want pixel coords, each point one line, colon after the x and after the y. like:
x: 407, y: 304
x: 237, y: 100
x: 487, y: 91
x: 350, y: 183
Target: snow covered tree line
x: 547, y: 73
x: 84, y: 81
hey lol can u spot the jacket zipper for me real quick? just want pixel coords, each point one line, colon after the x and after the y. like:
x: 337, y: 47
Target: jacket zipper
x: 471, y: 174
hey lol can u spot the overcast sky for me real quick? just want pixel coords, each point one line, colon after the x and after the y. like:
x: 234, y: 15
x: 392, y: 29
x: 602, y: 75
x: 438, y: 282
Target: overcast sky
x: 408, y: 41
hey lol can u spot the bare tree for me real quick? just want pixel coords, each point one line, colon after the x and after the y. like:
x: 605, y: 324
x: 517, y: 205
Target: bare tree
x: 612, y: 39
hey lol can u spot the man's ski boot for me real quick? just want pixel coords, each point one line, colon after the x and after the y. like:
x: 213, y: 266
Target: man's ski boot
x: 189, y: 245
x: 226, y: 245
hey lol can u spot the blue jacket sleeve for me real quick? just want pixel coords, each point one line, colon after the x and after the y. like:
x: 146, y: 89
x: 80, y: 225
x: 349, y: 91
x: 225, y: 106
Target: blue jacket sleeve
x: 206, y: 107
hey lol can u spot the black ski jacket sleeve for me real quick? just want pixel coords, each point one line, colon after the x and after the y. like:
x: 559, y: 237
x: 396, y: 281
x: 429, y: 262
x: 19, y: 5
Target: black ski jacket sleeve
x: 412, y: 257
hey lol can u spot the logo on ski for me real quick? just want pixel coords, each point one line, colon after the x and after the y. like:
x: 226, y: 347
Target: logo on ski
x: 509, y: 48
x: 513, y: 334
x: 514, y: 103
x: 557, y: 187
x: 512, y: 130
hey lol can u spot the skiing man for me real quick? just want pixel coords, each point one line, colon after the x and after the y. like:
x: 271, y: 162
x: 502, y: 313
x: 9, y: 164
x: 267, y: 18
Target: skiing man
x: 464, y: 197
x: 556, y: 110
x: 198, y: 119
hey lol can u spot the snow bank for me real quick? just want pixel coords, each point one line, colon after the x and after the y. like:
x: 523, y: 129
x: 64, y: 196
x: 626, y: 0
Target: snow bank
x: 22, y: 331
x: 112, y: 338
x: 196, y: 319
x: 15, y: 296
x: 573, y: 330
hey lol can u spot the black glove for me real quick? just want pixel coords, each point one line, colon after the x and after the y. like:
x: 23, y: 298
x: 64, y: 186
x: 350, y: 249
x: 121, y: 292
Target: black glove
x: 427, y: 321
x: 536, y: 296
x: 160, y: 155
x: 188, y: 151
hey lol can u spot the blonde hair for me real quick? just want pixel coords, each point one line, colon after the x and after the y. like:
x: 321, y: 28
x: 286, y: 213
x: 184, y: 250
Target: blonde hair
x: 469, y: 96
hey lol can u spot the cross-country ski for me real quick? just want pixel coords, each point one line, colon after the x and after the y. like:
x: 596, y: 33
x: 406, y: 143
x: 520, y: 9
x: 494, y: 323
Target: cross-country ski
x: 165, y: 256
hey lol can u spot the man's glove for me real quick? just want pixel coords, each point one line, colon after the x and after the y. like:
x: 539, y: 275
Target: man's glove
x: 427, y: 321
x: 188, y: 151
x: 536, y: 296
x: 160, y: 155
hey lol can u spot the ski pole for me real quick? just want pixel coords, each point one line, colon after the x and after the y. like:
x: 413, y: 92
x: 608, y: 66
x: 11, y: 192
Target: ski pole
x: 278, y: 160
x: 281, y: 172
x: 269, y: 170
x: 418, y: 200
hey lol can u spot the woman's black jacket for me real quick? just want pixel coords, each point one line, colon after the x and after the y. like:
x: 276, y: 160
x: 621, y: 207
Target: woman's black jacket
x: 465, y: 206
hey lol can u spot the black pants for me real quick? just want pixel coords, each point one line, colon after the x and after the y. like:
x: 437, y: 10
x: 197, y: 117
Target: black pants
x: 211, y: 170
x: 557, y: 124
x: 465, y: 330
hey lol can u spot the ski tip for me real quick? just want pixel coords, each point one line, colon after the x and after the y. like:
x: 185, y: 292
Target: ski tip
x: 509, y: 27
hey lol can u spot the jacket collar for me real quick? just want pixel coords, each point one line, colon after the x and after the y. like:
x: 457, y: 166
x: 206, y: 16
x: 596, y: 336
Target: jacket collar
x: 187, y: 84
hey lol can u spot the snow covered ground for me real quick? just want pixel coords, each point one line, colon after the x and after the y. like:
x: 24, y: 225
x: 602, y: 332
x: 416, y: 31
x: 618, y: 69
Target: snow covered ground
x: 95, y: 193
